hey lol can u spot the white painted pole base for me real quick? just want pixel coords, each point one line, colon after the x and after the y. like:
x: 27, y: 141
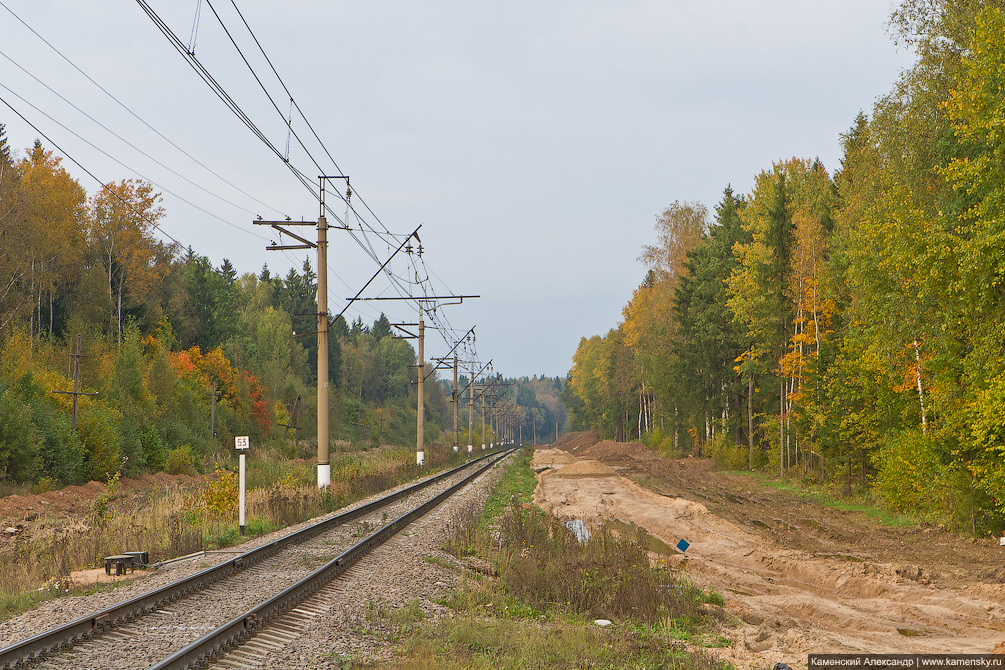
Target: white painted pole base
x: 420, y: 456
x: 455, y: 448
x: 483, y: 446
x: 324, y: 476
x: 469, y: 448
x: 241, y: 479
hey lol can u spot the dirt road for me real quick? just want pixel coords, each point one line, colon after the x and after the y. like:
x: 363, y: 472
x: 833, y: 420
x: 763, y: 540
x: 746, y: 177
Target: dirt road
x: 798, y: 577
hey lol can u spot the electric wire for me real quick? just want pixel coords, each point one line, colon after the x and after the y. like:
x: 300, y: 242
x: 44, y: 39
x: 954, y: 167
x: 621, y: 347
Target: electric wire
x: 299, y: 111
x: 262, y: 86
x: 195, y: 26
x: 228, y: 101
x: 222, y: 94
x: 289, y: 125
x: 131, y: 169
x: 219, y: 90
x: 364, y: 243
x: 91, y: 174
x: 134, y: 114
x: 289, y: 122
x: 125, y: 141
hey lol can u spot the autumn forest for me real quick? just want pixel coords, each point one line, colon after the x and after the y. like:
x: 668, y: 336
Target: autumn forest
x: 160, y: 329
x: 840, y: 324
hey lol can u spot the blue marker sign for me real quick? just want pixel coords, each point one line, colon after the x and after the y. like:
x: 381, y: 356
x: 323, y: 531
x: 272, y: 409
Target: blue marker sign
x: 683, y: 545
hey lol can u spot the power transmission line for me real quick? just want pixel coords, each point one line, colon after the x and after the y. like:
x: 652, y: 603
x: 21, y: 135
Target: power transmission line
x: 297, y: 106
x: 127, y: 167
x: 220, y: 91
x: 123, y: 140
x: 91, y: 174
x: 132, y: 113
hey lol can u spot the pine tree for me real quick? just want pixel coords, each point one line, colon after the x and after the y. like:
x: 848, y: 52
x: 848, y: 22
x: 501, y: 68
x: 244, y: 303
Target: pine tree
x: 5, y: 157
x: 228, y: 272
x: 708, y: 339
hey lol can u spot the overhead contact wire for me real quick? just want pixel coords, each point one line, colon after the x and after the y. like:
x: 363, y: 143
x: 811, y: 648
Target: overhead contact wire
x: 91, y: 174
x: 134, y: 114
x: 123, y: 140
x: 235, y: 108
x: 127, y: 167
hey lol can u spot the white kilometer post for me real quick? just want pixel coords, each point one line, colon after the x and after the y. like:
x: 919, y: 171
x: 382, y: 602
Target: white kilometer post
x: 241, y: 443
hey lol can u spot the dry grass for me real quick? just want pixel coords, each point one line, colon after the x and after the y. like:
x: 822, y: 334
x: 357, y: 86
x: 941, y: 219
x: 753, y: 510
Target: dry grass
x: 608, y: 577
x: 495, y: 644
x: 178, y: 521
x: 536, y: 607
x: 48, y: 551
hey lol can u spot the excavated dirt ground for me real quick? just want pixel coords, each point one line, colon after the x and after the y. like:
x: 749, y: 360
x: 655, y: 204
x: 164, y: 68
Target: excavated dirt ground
x: 797, y: 576
x: 73, y: 501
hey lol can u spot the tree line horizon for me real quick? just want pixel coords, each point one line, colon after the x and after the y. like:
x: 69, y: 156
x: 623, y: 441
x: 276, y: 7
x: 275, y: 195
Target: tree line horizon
x: 845, y: 327
x: 161, y: 328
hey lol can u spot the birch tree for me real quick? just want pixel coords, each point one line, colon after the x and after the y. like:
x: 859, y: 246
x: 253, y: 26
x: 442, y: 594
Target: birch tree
x: 123, y: 219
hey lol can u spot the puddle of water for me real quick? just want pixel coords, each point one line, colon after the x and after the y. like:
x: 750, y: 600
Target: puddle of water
x: 653, y: 544
x: 578, y: 529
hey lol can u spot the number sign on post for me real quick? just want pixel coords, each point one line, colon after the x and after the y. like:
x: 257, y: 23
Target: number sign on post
x: 241, y: 443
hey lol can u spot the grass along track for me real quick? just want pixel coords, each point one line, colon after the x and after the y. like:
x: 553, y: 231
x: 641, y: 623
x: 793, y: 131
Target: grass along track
x: 276, y: 565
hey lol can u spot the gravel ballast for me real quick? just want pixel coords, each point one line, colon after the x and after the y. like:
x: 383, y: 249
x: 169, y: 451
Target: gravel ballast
x: 394, y: 574
x: 411, y: 566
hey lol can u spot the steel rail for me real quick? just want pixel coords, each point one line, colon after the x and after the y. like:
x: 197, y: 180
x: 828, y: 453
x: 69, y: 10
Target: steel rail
x: 62, y: 637
x: 232, y: 633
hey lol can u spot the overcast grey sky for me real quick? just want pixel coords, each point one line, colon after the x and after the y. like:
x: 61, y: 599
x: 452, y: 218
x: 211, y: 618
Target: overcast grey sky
x: 536, y: 142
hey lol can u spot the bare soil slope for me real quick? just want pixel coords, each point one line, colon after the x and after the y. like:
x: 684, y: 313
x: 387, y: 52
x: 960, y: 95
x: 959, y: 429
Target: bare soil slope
x: 74, y: 501
x: 798, y: 576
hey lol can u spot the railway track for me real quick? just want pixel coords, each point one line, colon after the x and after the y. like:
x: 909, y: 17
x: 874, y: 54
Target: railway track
x: 260, y: 597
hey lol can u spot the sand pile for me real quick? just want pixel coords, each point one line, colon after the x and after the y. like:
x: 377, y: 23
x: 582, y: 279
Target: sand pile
x: 584, y: 468
x: 788, y: 594
x: 552, y: 458
x: 618, y: 452
x: 576, y: 441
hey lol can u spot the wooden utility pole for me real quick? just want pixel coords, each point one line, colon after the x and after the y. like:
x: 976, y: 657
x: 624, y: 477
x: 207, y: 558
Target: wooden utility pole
x: 324, y: 462
x: 294, y: 411
x: 76, y: 382
x: 212, y: 410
